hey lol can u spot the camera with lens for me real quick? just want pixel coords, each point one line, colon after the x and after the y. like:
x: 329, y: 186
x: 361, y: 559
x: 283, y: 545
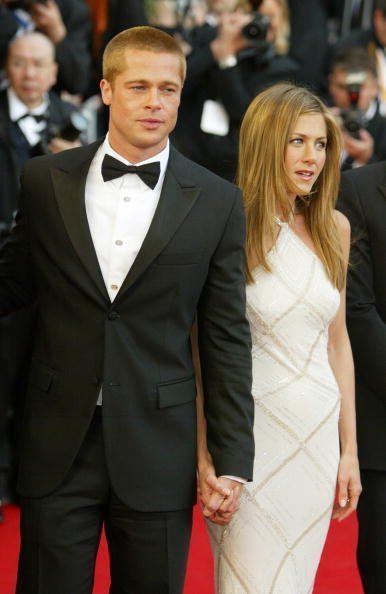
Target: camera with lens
x: 71, y: 130
x: 256, y: 30
x: 353, y: 117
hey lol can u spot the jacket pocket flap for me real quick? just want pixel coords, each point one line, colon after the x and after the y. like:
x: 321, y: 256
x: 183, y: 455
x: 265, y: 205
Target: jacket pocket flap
x: 41, y: 377
x: 179, y: 392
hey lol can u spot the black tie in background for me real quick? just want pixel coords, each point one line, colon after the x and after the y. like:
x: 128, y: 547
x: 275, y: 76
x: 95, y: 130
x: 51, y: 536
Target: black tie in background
x: 37, y: 118
x: 113, y: 168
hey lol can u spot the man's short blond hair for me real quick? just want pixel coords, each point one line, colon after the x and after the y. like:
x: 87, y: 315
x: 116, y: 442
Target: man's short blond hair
x: 147, y: 39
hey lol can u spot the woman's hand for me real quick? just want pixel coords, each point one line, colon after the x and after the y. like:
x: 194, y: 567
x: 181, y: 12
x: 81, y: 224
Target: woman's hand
x: 219, y: 496
x: 348, y: 488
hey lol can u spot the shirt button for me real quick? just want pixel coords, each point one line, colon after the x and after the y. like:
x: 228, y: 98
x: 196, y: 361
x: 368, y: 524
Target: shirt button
x: 113, y: 315
x: 114, y: 287
x: 127, y: 199
x: 119, y: 242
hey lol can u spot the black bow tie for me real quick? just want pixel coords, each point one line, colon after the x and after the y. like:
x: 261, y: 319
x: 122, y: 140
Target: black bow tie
x: 149, y: 173
x: 38, y: 118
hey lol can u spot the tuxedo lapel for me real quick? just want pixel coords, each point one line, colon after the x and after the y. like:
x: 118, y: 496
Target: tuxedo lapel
x: 177, y: 198
x: 69, y: 185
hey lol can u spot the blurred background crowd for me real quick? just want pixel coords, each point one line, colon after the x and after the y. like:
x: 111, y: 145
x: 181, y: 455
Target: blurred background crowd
x: 50, y: 60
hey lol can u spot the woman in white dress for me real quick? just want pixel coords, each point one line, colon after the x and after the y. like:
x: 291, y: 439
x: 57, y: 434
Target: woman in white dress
x: 303, y: 381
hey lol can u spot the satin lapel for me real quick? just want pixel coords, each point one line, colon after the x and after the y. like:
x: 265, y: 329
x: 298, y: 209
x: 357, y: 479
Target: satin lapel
x: 69, y: 185
x: 176, y: 200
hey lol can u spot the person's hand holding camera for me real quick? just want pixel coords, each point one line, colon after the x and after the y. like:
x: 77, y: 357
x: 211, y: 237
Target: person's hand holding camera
x: 48, y: 20
x: 57, y: 144
x: 359, y: 149
x: 230, y: 39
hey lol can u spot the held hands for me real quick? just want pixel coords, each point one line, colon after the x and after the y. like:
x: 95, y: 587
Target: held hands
x: 349, y: 487
x: 219, y: 497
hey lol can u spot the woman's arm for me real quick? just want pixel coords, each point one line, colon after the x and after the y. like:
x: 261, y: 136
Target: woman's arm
x: 341, y: 361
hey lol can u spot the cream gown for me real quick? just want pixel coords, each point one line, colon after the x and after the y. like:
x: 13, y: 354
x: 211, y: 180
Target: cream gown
x: 274, y: 543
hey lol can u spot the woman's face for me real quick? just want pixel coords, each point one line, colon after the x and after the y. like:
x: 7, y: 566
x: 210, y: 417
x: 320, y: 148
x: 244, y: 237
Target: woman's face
x: 305, y: 154
x: 272, y: 10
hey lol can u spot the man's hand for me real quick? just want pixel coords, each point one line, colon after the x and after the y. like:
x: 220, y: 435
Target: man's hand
x: 57, y: 145
x: 219, y: 497
x: 48, y: 20
x: 360, y: 149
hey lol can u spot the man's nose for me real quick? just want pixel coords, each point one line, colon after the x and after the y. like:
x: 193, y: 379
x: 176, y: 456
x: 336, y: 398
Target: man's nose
x: 30, y: 70
x: 153, y: 99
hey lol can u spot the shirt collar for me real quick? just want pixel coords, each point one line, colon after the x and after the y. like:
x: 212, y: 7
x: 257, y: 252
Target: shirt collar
x: 18, y: 109
x: 371, y: 111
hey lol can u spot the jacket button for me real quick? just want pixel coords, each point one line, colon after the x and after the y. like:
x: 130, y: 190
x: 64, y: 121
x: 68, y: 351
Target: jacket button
x: 113, y: 315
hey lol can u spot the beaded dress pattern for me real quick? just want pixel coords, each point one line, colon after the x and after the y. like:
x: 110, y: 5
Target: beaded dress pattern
x: 274, y: 542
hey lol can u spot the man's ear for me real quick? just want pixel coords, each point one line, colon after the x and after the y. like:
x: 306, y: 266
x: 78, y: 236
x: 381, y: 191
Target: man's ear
x: 106, y: 91
x: 54, y: 74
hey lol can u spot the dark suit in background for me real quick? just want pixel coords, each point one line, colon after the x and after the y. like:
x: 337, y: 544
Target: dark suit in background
x: 15, y: 329
x: 363, y: 200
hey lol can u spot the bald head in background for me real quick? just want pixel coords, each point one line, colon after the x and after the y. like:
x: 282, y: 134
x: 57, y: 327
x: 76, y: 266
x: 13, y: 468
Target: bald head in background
x: 31, y: 68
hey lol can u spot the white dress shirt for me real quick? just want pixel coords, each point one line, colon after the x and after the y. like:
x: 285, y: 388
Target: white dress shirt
x: 28, y: 125
x: 119, y: 213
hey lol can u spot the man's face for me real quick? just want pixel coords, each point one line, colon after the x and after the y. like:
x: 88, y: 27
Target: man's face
x: 340, y: 94
x: 143, y: 101
x: 30, y: 69
x: 222, y: 6
x: 379, y: 21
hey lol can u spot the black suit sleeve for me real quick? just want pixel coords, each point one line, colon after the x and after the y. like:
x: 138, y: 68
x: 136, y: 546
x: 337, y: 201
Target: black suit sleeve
x: 309, y: 40
x: 73, y: 53
x: 8, y: 28
x: 366, y: 328
x: 17, y: 285
x: 225, y: 354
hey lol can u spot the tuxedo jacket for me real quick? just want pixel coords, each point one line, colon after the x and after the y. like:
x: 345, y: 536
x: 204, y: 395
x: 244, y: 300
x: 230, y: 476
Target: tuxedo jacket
x: 137, y: 347
x: 363, y: 200
x: 10, y: 167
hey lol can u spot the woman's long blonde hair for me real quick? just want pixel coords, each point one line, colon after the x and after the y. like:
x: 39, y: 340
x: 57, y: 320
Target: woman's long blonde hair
x: 265, y: 183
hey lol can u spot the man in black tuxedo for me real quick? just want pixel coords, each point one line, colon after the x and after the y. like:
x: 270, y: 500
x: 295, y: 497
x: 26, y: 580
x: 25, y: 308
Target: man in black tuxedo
x: 363, y: 200
x: 120, y: 261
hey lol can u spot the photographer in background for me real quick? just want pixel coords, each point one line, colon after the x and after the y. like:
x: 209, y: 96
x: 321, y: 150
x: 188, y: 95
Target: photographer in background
x: 242, y: 49
x: 33, y: 121
x: 67, y: 23
x: 373, y: 40
x: 353, y: 90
